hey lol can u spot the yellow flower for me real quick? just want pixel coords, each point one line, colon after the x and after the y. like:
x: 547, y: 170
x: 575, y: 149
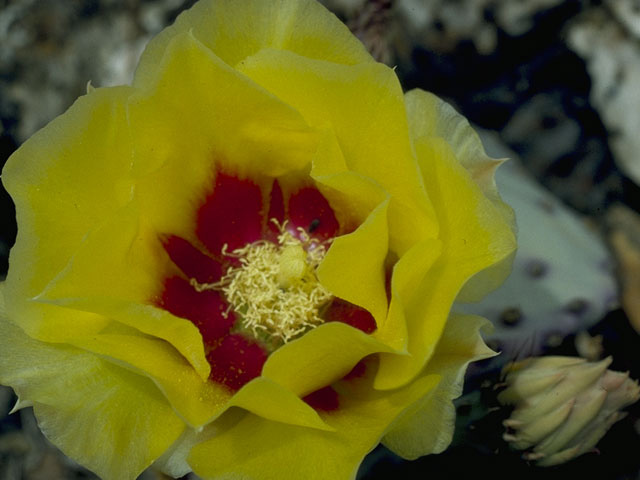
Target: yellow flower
x: 245, y: 263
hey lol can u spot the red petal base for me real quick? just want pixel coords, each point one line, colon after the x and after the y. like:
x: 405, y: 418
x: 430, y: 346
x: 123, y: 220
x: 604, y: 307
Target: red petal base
x: 192, y: 261
x: 231, y: 214
x: 324, y: 400
x: 236, y: 361
x: 342, y: 311
x: 205, y: 309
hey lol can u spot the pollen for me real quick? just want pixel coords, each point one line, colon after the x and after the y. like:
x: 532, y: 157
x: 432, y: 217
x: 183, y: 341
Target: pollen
x: 274, y: 289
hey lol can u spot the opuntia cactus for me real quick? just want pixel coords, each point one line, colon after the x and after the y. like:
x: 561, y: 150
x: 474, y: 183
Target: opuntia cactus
x: 562, y: 280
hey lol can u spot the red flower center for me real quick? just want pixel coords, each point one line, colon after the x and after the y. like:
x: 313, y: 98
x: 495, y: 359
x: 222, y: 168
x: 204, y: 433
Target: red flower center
x: 248, y: 282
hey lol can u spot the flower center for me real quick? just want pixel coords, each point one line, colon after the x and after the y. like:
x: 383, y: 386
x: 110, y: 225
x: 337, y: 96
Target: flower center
x: 274, y: 288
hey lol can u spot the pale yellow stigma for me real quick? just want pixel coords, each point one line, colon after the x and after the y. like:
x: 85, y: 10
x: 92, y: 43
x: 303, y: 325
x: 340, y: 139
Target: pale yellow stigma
x: 292, y: 265
x: 275, y: 290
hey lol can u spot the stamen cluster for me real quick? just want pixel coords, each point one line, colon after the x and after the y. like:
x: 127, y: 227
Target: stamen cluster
x: 275, y: 289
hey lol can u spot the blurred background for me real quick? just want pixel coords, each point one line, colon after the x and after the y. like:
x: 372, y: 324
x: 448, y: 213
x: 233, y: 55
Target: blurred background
x: 553, y: 85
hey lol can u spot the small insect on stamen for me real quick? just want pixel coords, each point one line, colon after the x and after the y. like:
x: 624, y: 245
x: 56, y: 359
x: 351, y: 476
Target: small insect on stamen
x: 313, y: 226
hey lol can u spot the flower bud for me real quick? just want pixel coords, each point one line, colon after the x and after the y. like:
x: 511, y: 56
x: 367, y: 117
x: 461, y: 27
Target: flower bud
x: 563, y: 405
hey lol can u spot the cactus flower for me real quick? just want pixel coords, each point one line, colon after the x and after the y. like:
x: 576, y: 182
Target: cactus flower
x: 563, y: 405
x: 244, y: 264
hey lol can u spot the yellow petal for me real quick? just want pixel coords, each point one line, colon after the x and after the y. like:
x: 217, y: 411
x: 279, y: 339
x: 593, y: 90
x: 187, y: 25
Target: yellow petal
x: 115, y: 273
x: 67, y: 178
x: 195, y: 400
x: 198, y: 402
x: 234, y: 30
x: 255, y: 448
x: 428, y: 427
x: 364, y: 106
x: 474, y: 236
x: 189, y: 120
x: 406, y: 280
x: 319, y: 358
x: 117, y: 259
x: 429, y: 116
x: 352, y: 196
x: 354, y: 267
x: 112, y: 421
x: 328, y: 158
x: 3, y: 310
x: 174, y: 461
x: 272, y: 401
